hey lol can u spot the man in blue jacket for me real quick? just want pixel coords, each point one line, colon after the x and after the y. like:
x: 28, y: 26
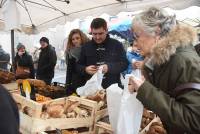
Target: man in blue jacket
x: 102, y: 51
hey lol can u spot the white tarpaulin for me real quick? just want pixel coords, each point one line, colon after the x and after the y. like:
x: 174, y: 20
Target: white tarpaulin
x: 11, y: 15
x: 49, y: 13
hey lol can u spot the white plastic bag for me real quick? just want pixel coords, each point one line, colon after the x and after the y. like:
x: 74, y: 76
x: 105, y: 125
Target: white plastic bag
x: 125, y: 111
x: 92, y: 85
x: 114, y: 95
x: 137, y: 73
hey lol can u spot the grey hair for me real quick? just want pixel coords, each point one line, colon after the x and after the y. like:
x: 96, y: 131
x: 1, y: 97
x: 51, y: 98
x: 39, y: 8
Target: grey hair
x: 155, y: 17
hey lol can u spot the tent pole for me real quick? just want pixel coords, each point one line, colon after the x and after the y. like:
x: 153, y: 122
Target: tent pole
x: 12, y: 45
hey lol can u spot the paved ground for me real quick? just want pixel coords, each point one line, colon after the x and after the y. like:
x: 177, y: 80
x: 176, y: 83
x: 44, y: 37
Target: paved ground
x: 60, y: 76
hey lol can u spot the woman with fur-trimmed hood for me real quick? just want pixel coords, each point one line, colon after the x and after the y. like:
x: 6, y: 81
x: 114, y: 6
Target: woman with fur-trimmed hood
x: 171, y: 87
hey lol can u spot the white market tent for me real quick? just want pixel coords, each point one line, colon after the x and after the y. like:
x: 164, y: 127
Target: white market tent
x: 43, y: 14
x: 35, y: 16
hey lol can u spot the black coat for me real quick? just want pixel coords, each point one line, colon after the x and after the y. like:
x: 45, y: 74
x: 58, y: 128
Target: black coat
x: 9, y: 115
x: 47, y: 62
x: 110, y: 52
x: 4, y: 59
x: 73, y: 78
x: 24, y: 61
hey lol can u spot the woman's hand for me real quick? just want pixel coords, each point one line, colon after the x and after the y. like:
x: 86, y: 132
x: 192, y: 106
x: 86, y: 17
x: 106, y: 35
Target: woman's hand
x: 135, y: 83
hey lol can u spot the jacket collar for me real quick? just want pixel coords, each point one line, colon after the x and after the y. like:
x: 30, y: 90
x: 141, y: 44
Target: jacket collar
x: 46, y: 48
x: 180, y: 37
x: 103, y: 43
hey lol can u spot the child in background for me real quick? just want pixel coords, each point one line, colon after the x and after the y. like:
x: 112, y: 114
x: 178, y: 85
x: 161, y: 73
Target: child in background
x: 135, y: 60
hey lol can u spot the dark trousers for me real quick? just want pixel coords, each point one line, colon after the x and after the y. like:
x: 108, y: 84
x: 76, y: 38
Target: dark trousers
x: 46, y: 80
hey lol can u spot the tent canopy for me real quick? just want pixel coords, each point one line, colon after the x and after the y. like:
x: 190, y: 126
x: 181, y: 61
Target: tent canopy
x: 42, y: 14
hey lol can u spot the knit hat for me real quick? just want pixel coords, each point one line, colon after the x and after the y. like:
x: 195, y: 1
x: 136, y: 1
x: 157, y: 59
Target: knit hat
x: 44, y: 39
x: 20, y: 45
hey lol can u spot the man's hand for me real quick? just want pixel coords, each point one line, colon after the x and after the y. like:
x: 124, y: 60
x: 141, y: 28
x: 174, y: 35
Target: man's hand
x: 138, y: 64
x: 91, y: 69
x: 105, y: 68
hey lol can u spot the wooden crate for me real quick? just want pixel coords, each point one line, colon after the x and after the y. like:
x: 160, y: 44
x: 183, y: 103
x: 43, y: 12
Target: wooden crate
x: 34, y: 124
x: 100, y: 113
x: 103, y: 128
x: 11, y: 86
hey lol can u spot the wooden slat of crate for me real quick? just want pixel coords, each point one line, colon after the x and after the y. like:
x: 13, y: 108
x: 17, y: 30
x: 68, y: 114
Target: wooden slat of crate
x: 101, y: 114
x: 78, y: 133
x: 33, y: 125
x: 11, y: 86
x: 84, y: 101
x: 37, y: 107
x: 103, y: 127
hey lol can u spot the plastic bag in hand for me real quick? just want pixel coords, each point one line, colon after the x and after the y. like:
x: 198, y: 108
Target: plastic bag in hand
x: 92, y: 85
x: 125, y: 111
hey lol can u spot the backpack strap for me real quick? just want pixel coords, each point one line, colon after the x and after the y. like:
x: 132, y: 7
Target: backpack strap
x: 186, y: 87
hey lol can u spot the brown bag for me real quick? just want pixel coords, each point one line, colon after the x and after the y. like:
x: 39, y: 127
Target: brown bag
x: 22, y: 72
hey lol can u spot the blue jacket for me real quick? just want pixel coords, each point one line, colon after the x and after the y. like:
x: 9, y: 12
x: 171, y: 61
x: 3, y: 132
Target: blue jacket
x: 132, y: 55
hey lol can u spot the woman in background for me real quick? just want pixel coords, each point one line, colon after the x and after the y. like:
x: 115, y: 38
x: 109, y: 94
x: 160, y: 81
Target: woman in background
x: 23, y: 60
x: 73, y: 79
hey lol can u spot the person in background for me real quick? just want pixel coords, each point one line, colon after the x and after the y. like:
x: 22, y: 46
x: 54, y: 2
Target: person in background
x: 102, y: 51
x: 36, y: 54
x: 23, y: 59
x: 47, y: 61
x: 172, y: 86
x: 135, y: 60
x: 73, y: 79
x: 9, y: 114
x: 4, y: 59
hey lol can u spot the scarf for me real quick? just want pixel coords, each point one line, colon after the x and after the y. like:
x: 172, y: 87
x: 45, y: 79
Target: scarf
x: 73, y: 53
